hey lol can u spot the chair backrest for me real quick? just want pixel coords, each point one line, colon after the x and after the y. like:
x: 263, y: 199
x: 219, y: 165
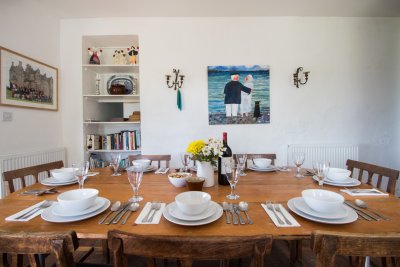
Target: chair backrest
x: 9, y: 176
x: 158, y: 158
x: 326, y: 245
x: 60, y: 245
x: 393, y: 175
x: 265, y: 156
x: 186, y: 248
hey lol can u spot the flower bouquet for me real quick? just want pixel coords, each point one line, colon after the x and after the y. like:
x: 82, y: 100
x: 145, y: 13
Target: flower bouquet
x: 207, y: 151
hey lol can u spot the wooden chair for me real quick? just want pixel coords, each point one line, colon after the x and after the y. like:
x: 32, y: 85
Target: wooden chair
x: 9, y: 176
x: 393, y: 175
x: 186, y: 249
x: 61, y: 245
x: 158, y: 158
x: 327, y: 245
x: 265, y: 156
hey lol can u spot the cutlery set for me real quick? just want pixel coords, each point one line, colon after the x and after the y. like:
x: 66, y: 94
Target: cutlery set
x: 42, y: 206
x: 39, y: 192
x: 360, y: 208
x: 275, y: 208
x: 235, y: 211
x: 119, y: 212
x: 155, y: 206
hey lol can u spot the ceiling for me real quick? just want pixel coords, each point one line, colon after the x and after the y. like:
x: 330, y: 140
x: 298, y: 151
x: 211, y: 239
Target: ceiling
x: 216, y: 8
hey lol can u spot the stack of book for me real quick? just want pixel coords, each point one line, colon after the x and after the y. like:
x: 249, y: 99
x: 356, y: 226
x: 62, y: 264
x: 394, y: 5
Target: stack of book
x: 125, y: 140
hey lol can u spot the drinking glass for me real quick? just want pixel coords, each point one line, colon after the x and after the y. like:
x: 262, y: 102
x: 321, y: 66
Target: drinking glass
x: 115, y: 161
x: 81, y: 171
x: 322, y: 171
x: 232, y: 174
x: 185, y: 158
x: 135, y: 174
x: 298, y: 159
x: 241, y: 161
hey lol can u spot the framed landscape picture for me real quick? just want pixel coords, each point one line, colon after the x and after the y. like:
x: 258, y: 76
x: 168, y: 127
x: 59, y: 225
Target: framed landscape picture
x: 238, y: 94
x: 26, y: 82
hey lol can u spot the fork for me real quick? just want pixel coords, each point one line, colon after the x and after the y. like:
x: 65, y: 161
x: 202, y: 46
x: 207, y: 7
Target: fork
x: 278, y: 209
x: 153, y: 205
x: 271, y: 208
x: 156, y: 208
x: 44, y: 205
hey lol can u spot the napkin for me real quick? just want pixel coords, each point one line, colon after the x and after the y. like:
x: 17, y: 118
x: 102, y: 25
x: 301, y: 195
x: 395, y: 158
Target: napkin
x: 162, y: 171
x: 146, y: 209
x: 364, y: 192
x: 13, y: 217
x: 287, y: 215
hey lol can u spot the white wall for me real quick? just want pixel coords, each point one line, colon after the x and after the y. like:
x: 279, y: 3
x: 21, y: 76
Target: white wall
x: 350, y: 96
x: 29, y: 30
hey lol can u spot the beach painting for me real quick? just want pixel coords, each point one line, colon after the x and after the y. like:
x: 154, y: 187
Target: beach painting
x: 238, y: 94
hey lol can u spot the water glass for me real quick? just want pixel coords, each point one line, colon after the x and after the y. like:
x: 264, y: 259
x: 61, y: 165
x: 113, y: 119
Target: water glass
x: 298, y: 159
x: 115, y: 161
x: 232, y: 174
x: 241, y: 161
x: 322, y: 171
x: 81, y: 171
x: 135, y: 174
x: 185, y: 158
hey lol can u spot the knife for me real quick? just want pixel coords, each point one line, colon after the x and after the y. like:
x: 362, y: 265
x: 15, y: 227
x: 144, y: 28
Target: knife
x: 122, y: 213
x: 235, y: 207
x: 116, y: 214
x: 361, y: 212
x: 233, y: 214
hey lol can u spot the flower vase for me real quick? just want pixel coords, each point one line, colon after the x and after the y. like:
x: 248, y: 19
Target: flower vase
x: 206, y: 170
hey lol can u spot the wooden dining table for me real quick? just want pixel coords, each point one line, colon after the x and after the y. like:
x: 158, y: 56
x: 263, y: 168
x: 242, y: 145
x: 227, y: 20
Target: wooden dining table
x: 254, y: 188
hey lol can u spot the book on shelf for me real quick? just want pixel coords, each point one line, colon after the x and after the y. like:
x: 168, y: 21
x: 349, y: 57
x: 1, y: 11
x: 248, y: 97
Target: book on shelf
x: 124, y: 140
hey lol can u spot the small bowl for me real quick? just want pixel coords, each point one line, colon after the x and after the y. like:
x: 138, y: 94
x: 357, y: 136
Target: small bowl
x: 78, y: 199
x: 144, y: 162
x: 262, y: 162
x: 178, y: 179
x: 193, y: 202
x: 63, y: 174
x: 336, y: 174
x: 195, y: 183
x: 322, y: 200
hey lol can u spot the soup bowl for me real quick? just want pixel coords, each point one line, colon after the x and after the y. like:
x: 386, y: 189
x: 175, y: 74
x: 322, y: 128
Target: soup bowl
x: 78, y: 199
x: 322, y: 200
x: 193, y: 202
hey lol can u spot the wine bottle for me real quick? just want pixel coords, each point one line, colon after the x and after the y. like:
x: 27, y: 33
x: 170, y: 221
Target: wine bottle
x: 90, y: 143
x: 226, y: 157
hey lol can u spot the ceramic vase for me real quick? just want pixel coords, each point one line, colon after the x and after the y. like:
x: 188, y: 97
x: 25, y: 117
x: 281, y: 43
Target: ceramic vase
x: 206, y: 170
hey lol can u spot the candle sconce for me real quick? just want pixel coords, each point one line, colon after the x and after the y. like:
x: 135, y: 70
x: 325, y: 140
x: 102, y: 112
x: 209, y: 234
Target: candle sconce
x: 297, y: 80
x: 176, y: 83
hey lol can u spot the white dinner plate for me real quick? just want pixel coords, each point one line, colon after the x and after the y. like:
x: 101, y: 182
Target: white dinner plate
x: 301, y: 205
x: 218, y: 213
x: 351, y: 215
x: 348, y: 180
x: 49, y: 216
x: 355, y: 182
x: 150, y: 168
x: 174, y: 211
x: 50, y: 181
x: 267, y: 169
x: 98, y: 203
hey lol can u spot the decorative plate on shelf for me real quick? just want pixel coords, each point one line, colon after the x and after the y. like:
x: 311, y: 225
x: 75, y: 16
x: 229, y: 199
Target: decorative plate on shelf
x: 125, y: 84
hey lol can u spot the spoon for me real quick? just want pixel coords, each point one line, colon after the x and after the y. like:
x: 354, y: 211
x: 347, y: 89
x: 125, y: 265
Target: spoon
x: 225, y: 207
x: 133, y: 207
x: 360, y: 203
x: 243, y: 206
x: 113, y: 208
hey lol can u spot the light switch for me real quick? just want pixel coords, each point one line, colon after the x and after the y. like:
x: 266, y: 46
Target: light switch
x: 7, y: 116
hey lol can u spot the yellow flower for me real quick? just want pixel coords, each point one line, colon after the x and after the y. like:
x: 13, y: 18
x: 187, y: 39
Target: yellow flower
x: 195, y: 147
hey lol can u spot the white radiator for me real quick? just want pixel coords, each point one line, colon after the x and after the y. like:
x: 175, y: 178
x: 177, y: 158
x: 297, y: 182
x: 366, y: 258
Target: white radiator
x: 18, y: 161
x: 337, y: 155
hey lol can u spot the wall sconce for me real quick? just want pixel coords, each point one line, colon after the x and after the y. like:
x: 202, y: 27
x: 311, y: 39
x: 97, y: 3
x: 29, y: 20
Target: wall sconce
x: 296, y: 78
x: 176, y: 84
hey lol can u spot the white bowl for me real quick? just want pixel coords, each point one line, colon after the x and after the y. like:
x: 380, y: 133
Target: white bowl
x: 336, y: 174
x: 322, y: 200
x: 78, y: 199
x: 144, y: 162
x: 63, y: 174
x: 178, y: 179
x: 262, y: 163
x: 193, y: 202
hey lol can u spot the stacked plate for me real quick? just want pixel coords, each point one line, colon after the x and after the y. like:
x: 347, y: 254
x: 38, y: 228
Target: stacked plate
x: 270, y: 168
x: 150, y: 168
x: 56, y: 213
x: 173, y: 214
x: 51, y: 181
x: 343, y: 215
x: 348, y: 182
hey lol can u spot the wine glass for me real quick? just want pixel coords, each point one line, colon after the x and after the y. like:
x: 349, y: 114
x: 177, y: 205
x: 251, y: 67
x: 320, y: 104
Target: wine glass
x: 185, y: 158
x: 135, y: 174
x: 322, y: 171
x: 298, y: 159
x: 232, y: 174
x: 80, y: 172
x: 241, y: 161
x: 115, y: 161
